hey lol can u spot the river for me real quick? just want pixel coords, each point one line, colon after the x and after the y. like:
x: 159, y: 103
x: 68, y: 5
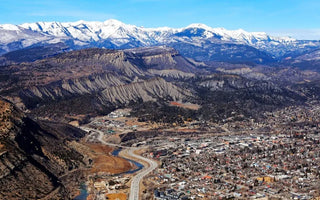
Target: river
x: 83, y: 188
x: 138, y: 165
x: 83, y: 193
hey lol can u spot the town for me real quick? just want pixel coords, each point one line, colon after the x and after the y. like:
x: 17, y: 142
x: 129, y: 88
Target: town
x: 238, y: 166
x: 276, y: 157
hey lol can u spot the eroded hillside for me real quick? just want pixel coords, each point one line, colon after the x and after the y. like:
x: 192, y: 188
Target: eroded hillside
x: 35, y: 156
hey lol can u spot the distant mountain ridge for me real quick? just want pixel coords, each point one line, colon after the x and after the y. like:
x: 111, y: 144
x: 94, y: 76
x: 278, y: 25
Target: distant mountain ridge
x: 117, y: 35
x: 97, y: 81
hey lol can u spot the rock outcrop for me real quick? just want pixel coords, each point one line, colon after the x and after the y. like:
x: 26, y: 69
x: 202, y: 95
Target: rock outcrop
x: 34, y: 156
x: 89, y: 71
x: 150, y: 90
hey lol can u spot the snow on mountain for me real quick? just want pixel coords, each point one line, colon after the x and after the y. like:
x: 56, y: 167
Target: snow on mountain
x: 95, y: 31
x: 239, y: 35
x: 12, y: 33
x: 116, y: 34
x: 14, y: 37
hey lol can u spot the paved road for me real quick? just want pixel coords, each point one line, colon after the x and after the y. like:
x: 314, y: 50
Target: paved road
x: 100, y: 137
x: 135, y: 184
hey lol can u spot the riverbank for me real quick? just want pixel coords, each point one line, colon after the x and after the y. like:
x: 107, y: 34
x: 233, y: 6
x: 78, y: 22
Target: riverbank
x: 102, y: 183
x: 104, y: 171
x: 137, y: 166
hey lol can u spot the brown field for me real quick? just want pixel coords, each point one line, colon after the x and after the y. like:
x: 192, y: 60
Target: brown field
x: 76, y: 193
x: 2, y: 148
x: 113, y: 139
x: 90, y: 197
x: 119, y: 196
x: 185, y: 105
x: 134, y: 121
x: 104, y: 162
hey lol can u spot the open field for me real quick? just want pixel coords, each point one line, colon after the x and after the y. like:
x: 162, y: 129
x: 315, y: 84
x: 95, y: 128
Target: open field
x: 117, y: 196
x: 104, y: 162
x: 185, y: 105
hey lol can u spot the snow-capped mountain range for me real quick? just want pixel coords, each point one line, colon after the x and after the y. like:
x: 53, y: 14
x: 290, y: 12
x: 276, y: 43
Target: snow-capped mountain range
x: 115, y: 34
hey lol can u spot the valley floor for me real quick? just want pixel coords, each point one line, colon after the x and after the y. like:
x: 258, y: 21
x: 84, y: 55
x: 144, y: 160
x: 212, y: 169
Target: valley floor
x: 277, y: 157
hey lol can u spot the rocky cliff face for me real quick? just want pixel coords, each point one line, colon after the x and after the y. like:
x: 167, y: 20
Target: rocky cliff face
x: 33, y: 156
x: 84, y: 73
x: 171, y: 74
x: 96, y: 81
x: 161, y: 58
x: 69, y: 88
x: 150, y: 90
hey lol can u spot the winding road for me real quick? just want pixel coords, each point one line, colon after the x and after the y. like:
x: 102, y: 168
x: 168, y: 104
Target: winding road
x: 135, y: 183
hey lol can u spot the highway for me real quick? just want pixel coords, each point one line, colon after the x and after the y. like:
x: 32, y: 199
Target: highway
x: 135, y: 183
x: 100, y: 137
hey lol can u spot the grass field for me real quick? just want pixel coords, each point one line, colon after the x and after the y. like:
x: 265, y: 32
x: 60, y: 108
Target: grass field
x: 119, y: 196
x: 104, y: 162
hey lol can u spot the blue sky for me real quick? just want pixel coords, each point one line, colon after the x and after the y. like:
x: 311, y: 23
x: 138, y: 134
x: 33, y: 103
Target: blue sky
x: 297, y: 18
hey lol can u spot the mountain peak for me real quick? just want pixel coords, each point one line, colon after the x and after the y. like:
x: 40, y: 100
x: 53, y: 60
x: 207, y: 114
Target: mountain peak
x: 80, y: 22
x: 113, y: 22
x: 113, y: 33
x: 199, y: 25
x: 9, y: 27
